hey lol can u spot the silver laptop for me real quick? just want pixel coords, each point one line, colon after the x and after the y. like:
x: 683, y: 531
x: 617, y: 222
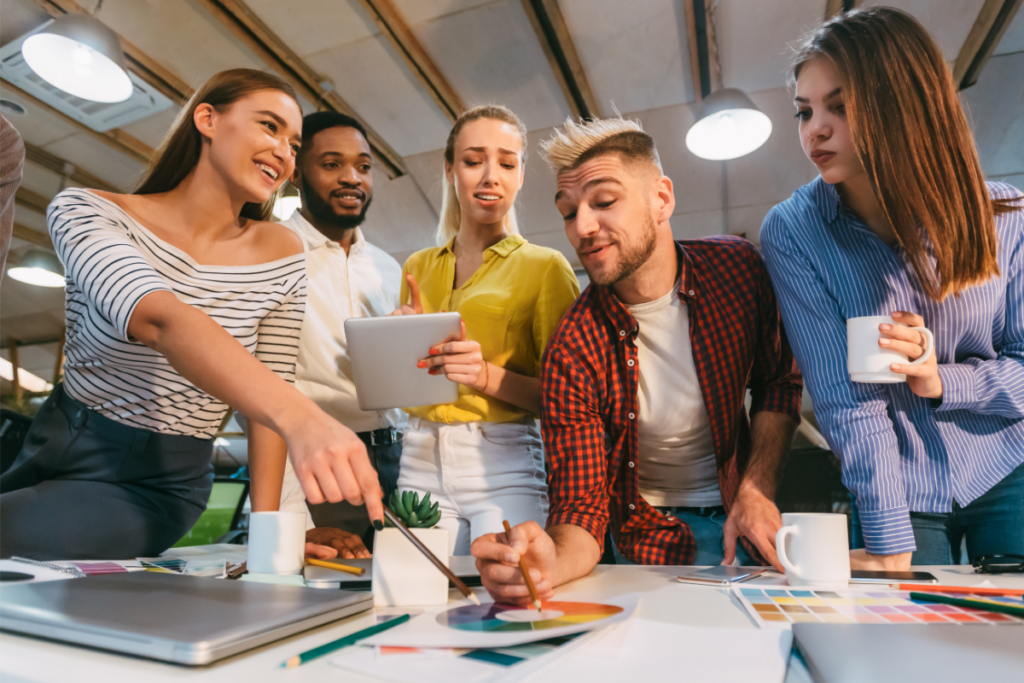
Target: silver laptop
x: 385, y: 351
x: 180, y: 619
x: 905, y: 653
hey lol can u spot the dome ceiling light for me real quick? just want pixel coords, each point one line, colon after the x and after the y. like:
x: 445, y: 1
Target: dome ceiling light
x: 81, y: 56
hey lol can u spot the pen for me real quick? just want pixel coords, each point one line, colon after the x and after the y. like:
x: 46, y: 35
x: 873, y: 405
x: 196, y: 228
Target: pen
x: 987, y: 605
x: 358, y: 571
x: 525, y: 571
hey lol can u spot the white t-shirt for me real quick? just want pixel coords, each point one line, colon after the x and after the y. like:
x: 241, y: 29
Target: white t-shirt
x: 677, y: 450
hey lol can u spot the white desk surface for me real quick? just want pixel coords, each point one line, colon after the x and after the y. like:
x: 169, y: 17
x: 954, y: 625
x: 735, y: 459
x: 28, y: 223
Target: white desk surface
x: 28, y: 659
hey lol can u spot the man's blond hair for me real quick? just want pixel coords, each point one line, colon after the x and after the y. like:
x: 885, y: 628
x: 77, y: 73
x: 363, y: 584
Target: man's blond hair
x: 576, y: 143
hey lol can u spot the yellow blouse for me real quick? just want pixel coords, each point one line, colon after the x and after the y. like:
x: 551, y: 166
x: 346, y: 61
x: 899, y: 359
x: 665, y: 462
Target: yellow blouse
x: 511, y: 306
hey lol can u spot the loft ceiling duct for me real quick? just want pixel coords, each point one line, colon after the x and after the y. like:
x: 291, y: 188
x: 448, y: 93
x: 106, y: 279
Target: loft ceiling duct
x: 729, y: 125
x: 81, y: 56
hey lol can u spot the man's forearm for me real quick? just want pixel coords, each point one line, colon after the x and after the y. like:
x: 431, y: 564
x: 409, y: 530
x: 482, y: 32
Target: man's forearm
x: 771, y: 434
x: 577, y: 551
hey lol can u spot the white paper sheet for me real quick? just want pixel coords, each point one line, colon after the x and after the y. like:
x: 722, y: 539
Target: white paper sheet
x: 400, y: 669
x: 424, y: 631
x: 659, y: 651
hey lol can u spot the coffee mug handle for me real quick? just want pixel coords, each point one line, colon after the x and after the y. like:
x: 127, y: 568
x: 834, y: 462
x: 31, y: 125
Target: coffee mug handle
x: 780, y: 549
x: 930, y: 347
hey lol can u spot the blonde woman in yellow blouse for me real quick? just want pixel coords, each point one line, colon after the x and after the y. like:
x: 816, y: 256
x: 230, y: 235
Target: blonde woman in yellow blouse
x: 481, y: 457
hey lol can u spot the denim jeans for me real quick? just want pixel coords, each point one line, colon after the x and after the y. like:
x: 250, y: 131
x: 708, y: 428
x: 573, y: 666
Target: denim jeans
x: 706, y: 524
x: 993, y: 523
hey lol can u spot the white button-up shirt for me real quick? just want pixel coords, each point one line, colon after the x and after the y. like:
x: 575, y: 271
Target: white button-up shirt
x: 364, y: 283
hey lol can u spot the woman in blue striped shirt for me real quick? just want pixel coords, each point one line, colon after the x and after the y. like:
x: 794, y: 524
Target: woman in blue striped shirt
x: 901, y: 223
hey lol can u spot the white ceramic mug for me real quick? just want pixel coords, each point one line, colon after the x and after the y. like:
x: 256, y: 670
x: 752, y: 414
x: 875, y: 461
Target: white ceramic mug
x: 867, y: 361
x: 277, y: 542
x: 814, y: 547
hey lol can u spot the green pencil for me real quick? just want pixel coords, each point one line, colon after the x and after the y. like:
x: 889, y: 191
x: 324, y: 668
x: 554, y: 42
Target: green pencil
x: 974, y: 604
x: 352, y: 639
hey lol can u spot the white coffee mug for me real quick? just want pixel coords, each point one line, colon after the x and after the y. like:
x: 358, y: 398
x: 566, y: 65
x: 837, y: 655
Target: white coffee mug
x: 867, y: 361
x: 277, y: 542
x: 814, y: 548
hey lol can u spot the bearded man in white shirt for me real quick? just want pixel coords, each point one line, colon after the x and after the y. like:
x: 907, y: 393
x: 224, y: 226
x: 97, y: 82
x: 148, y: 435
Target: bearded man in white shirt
x: 347, y: 278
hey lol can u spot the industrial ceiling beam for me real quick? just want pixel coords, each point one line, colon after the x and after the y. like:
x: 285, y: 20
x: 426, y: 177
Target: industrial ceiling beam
x: 272, y: 51
x: 553, y: 34
x: 993, y: 19
x: 31, y: 200
x: 115, y: 138
x: 52, y: 162
x: 26, y: 234
x: 141, y: 64
x: 393, y: 27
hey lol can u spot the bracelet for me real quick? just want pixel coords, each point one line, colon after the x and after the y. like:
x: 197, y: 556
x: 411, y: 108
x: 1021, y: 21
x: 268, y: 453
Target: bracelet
x: 487, y: 377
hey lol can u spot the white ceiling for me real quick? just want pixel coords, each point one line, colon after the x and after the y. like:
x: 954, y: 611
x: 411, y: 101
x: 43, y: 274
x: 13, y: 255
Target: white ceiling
x: 636, y: 58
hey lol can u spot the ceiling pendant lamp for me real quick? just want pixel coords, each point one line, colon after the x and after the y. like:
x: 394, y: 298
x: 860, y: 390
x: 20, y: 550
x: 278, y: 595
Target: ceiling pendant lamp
x: 40, y: 268
x: 81, y: 56
x: 729, y: 126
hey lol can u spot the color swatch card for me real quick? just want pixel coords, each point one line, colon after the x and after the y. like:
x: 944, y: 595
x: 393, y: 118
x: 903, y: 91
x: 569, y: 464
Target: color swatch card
x: 90, y: 568
x: 782, y: 607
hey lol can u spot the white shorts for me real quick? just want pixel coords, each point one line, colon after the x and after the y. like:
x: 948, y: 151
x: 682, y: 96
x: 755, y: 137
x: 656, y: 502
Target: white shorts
x: 480, y: 472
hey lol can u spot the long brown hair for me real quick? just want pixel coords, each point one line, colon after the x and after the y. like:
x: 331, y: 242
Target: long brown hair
x: 451, y: 213
x: 179, y: 152
x: 914, y: 142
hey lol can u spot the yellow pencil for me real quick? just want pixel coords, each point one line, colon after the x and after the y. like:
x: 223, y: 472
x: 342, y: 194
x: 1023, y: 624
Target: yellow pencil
x: 358, y: 571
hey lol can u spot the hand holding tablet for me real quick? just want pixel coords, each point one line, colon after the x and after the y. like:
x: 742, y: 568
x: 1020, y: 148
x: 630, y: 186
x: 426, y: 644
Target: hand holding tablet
x: 387, y: 354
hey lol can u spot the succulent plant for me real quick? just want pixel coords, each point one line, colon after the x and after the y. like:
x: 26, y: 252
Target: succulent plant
x: 414, y: 513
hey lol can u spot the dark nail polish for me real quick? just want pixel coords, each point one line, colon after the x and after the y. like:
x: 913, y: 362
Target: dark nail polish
x: 378, y: 525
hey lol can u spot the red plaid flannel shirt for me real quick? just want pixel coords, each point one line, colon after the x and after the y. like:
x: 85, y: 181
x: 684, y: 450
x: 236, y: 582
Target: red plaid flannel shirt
x: 589, y: 395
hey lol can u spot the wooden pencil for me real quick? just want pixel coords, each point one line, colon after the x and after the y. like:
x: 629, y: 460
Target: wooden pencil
x: 358, y: 571
x: 442, y: 567
x: 987, y: 605
x: 525, y: 571
x: 308, y: 655
x: 967, y: 590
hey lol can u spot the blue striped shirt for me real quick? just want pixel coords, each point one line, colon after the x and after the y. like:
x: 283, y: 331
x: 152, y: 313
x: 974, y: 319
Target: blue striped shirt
x: 901, y: 452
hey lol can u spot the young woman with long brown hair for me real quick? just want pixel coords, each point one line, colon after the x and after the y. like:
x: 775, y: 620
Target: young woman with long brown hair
x: 901, y: 223
x: 481, y: 457
x: 175, y: 294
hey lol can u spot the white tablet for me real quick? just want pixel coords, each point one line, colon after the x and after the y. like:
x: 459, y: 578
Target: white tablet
x: 385, y: 351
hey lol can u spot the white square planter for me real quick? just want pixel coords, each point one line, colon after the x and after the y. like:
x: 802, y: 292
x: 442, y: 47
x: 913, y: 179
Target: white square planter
x: 402, y: 576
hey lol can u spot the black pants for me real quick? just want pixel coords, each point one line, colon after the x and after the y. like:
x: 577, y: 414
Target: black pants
x: 87, y: 487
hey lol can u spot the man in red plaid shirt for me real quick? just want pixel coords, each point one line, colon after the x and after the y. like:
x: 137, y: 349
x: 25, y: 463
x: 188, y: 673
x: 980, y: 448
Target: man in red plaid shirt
x: 643, y: 383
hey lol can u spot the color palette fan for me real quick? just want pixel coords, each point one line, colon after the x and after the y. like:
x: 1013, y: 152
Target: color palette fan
x: 492, y: 617
x: 781, y: 607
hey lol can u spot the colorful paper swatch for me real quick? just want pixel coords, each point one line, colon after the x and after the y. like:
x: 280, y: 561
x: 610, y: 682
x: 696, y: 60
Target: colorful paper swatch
x: 504, y: 618
x: 91, y: 568
x: 174, y: 565
x: 782, y: 607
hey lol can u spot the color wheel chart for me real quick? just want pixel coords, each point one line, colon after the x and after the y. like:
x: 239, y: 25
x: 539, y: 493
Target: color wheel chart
x: 493, y: 617
x: 781, y: 607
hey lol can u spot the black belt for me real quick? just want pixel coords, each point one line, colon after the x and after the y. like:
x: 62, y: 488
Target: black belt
x: 381, y: 437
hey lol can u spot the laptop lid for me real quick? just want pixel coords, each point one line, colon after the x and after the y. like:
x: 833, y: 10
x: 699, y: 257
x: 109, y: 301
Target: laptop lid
x: 384, y: 353
x: 854, y: 653
x: 180, y: 619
